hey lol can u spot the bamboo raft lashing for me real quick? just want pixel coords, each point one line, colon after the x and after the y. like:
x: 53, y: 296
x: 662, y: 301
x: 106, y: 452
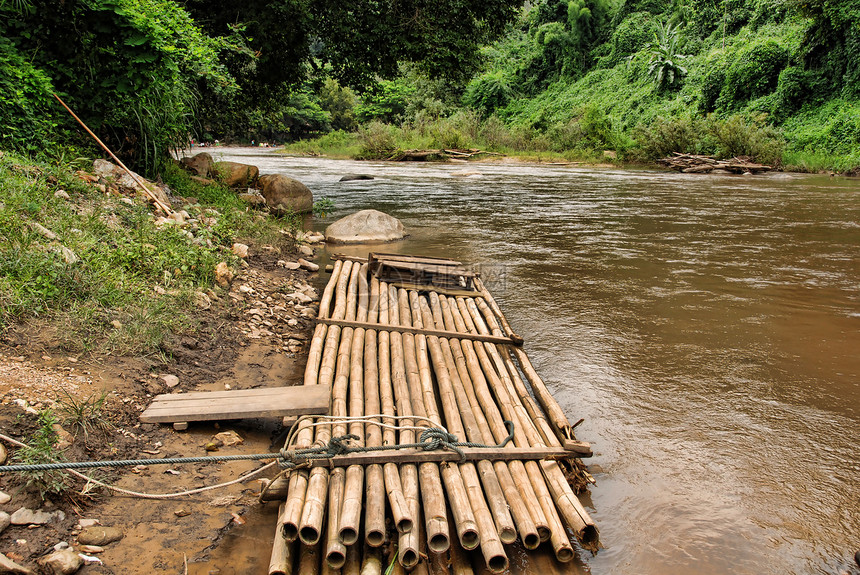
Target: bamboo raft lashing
x: 411, y: 359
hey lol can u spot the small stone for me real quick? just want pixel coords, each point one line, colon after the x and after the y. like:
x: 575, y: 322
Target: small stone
x: 84, y: 523
x: 26, y: 516
x: 228, y: 438
x: 310, y: 266
x: 246, y: 289
x: 292, y: 322
x: 212, y: 446
x: 289, y: 265
x: 306, y: 250
x: 170, y: 381
x: 116, y: 324
x: 9, y: 566
x: 3, y: 455
x: 61, y: 195
x: 43, y: 231
x: 60, y: 546
x: 5, y: 521
x: 99, y: 535
x: 63, y: 562
x: 69, y: 256
x: 300, y: 297
x: 223, y: 275
x: 240, y: 250
x: 91, y: 548
x: 182, y: 512
x: 309, y: 312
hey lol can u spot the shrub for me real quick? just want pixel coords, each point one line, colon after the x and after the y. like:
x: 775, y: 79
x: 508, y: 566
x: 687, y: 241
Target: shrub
x: 376, y: 141
x: 489, y: 92
x: 737, y: 137
x: 667, y: 135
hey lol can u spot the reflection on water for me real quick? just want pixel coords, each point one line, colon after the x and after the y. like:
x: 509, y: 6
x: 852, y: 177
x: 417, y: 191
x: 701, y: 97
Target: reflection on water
x: 707, y: 329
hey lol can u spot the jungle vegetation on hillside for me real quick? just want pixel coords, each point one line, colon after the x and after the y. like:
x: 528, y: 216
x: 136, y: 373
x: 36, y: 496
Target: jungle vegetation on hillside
x: 773, y: 79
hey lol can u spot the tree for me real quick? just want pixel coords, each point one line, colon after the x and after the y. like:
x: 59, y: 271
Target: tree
x: 664, y: 60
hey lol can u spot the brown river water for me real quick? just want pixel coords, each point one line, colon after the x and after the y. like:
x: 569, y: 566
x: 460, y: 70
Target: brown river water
x: 707, y: 328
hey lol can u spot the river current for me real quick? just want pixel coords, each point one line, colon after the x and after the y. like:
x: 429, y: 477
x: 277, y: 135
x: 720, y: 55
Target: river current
x: 707, y: 329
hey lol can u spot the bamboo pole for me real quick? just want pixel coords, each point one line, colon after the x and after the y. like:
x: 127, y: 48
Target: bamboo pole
x: 353, y: 560
x: 371, y: 563
x: 290, y: 517
x: 403, y: 521
x: 336, y: 550
x: 283, y: 552
x: 309, y: 559
x: 350, y: 513
x: 566, y: 502
x: 462, y: 413
x: 556, y: 414
x: 491, y: 422
x: 374, y: 510
x: 313, y: 512
x: 146, y: 191
x: 409, y: 553
x: 448, y: 381
x: 495, y: 375
x: 432, y: 495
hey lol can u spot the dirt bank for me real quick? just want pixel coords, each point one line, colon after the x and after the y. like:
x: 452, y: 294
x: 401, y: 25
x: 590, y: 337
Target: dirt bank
x: 252, y: 335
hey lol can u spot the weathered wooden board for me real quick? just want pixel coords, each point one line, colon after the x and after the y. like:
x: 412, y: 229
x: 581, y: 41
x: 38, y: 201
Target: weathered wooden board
x: 238, y: 404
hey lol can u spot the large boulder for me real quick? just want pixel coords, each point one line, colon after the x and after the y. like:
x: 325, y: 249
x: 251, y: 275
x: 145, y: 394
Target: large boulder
x: 236, y: 175
x: 201, y: 164
x: 366, y: 226
x: 285, y: 195
x: 113, y: 173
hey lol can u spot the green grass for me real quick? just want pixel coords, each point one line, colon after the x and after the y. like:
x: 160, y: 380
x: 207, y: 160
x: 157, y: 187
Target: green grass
x: 128, y: 269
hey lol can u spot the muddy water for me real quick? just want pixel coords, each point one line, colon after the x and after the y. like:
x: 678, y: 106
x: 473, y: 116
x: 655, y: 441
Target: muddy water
x: 707, y: 329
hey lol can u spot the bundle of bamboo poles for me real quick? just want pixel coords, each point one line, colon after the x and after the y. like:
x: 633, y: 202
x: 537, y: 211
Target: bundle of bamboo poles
x: 408, y: 380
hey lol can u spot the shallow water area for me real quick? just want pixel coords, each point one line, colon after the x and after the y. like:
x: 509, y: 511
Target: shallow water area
x: 706, y: 328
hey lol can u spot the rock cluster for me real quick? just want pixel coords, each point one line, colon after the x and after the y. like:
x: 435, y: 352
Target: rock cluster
x: 280, y: 194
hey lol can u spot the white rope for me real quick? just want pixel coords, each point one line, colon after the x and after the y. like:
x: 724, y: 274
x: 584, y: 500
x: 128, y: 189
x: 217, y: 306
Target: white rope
x: 142, y: 495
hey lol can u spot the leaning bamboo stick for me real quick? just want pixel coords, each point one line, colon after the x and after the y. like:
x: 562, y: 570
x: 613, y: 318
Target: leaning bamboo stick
x: 290, y: 517
x: 484, y: 408
x: 350, y: 513
x: 374, y: 510
x: 432, y: 495
x: 391, y: 472
x: 283, y: 552
x: 409, y: 553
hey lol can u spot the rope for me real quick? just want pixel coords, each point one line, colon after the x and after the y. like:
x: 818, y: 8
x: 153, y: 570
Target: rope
x: 431, y: 439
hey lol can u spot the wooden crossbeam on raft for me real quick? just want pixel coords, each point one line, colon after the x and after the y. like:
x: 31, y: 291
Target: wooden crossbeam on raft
x: 414, y: 455
x: 501, y: 340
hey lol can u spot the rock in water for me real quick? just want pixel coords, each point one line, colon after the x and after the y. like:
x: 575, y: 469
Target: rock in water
x: 201, y: 164
x: 63, y: 562
x: 285, y: 195
x: 366, y: 226
x: 355, y: 178
x: 236, y: 175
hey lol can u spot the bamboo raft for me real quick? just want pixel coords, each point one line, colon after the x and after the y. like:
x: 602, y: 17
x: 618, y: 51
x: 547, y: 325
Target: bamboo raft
x: 410, y: 358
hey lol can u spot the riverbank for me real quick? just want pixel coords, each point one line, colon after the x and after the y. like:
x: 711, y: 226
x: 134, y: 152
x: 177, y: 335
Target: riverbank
x: 496, y: 143
x: 105, y: 305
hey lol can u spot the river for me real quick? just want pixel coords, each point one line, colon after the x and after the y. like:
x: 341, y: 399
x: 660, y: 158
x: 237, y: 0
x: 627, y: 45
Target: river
x: 707, y: 329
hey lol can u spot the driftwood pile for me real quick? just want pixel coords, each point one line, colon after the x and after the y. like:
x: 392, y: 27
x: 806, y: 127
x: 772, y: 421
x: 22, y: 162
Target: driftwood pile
x: 695, y: 164
x: 379, y: 348
x: 444, y: 154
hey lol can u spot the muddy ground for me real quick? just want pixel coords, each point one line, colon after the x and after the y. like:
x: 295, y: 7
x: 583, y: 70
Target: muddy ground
x: 254, y: 334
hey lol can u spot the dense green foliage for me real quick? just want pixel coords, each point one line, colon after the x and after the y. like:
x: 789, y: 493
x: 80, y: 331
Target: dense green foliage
x: 147, y: 75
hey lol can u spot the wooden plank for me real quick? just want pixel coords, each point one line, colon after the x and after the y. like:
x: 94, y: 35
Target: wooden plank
x: 413, y: 455
x: 499, y: 340
x: 408, y: 258
x: 298, y: 400
x: 438, y: 289
x: 233, y: 393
